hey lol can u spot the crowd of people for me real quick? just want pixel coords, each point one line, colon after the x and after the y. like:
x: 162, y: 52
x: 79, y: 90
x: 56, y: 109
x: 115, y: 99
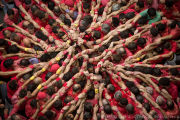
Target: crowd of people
x: 90, y: 60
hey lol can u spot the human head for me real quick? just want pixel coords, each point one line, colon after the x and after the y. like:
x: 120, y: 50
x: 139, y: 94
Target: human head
x: 88, y: 107
x: 26, y: 76
x: 169, y: 4
x: 10, y: 13
x: 31, y: 28
x: 116, y: 58
x: 34, y: 9
x: 154, y: 31
x: 164, y: 82
x: 13, y: 49
x: 151, y: 12
x: 116, y: 7
x: 115, y: 21
x: 13, y: 85
x: 87, y: 116
x: 75, y: 70
x: 170, y: 104
x: 159, y: 49
x: 135, y: 90
x: 25, y: 24
x: 42, y: 15
x: 49, y: 114
x: 105, y: 28
x: 129, y: 84
x: 27, y: 42
x: 88, y: 19
x: 59, y: 83
x: 141, y: 42
x: 130, y: 109
x: 76, y: 88
x: 51, y: 5
x: 147, y: 107
x: 123, y: 101
x: 58, y: 104
x: 100, y: 10
x: 41, y: 96
x: 124, y: 34
x: 63, y: 36
x: 139, y: 6
x: 51, y: 90
x: 90, y: 68
x: 96, y: 34
x: 90, y: 94
x: 139, y: 117
x: 140, y: 98
x: 34, y: 103
x: 149, y: 2
x: 15, y: 117
x: 174, y: 71
x: 130, y: 15
x: 52, y: 23
x: 149, y: 90
x: 122, y: 18
x: 86, y: 7
x: 28, y: 3
x: 142, y: 20
x: 118, y: 95
x: 67, y: 22
x: 154, y: 114
x: 14, y: 37
x: 6, y: 33
x: 121, y: 51
x: 171, y: 24
x: 107, y: 109
x: 132, y: 46
x: 160, y: 100
x: 24, y: 62
x: 57, y: 10
x: 37, y: 80
x: 111, y: 88
x: 3, y: 43
x: 8, y: 63
x: 31, y: 87
x: 148, y: 70
x: 45, y: 57
x: 156, y: 72
x: 161, y: 27
x: 67, y: 76
x: 42, y: 118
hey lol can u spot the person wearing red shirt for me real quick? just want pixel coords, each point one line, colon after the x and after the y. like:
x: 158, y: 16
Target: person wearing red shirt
x: 27, y: 5
x: 74, y: 91
x: 131, y: 111
x: 17, y: 37
x: 138, y: 7
x: 173, y: 110
x: 23, y: 24
x: 171, y: 88
x: 51, y: 23
x: 11, y: 18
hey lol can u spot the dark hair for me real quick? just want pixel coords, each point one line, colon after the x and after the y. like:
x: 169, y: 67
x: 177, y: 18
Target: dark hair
x: 37, y: 48
x: 173, y: 24
x: 111, y: 88
x: 34, y: 8
x: 156, y: 72
x: 116, y: 57
x: 58, y: 104
x: 68, y: 117
x: 161, y: 27
x: 107, y: 109
x: 147, y: 107
x: 86, y: 6
x: 164, y: 81
x: 42, y: 118
x: 129, y: 84
x: 123, y: 101
x: 100, y: 10
x: 159, y: 49
x: 130, y: 109
x: 102, y: 48
x: 82, y: 83
x: 151, y: 12
x: 33, y: 103
x: 68, y: 99
x: 30, y: 26
x: 132, y: 30
x: 8, y: 63
x: 75, y: 70
x: 50, y: 90
x: 39, y: 34
x: 140, y: 98
x: 67, y: 22
x: 174, y: 71
x: 53, y: 54
x: 170, y: 104
x: 97, y: 34
x: 148, y: 70
x: 115, y: 38
x: 90, y: 94
x: 55, y: 29
x: 140, y: 4
x: 61, y: 34
x: 27, y: 2
x: 135, y: 90
x: 48, y: 114
x: 82, y: 28
x: 10, y: 12
x: 45, y: 57
x: 22, y: 93
x: 141, y: 41
x: 59, y: 84
x: 48, y: 75
x: 130, y: 15
x: 154, y: 31
x: 31, y: 87
x: 13, y: 85
x: 3, y: 42
x: 132, y: 46
x: 169, y: 3
x: 67, y: 76
x: 130, y: 69
x: 87, y: 115
x: 76, y: 88
x: 41, y: 14
x: 26, y: 76
x: 51, y: 22
x: 138, y: 68
x: 88, y: 107
x: 115, y: 21
x: 88, y: 19
x: 25, y: 62
x: 142, y: 20
x: 13, y: 117
x: 13, y: 49
x: 167, y: 45
x: 51, y: 5
x: 122, y: 16
x: 124, y: 34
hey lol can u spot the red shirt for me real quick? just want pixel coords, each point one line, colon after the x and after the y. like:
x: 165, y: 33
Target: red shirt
x: 168, y: 14
x: 133, y: 7
x: 14, y: 19
x: 10, y: 92
x: 8, y: 69
x: 11, y: 29
x: 21, y: 24
x: 18, y: 2
x: 129, y: 10
x: 131, y: 116
x: 49, y: 29
x: 41, y: 23
x: 69, y: 3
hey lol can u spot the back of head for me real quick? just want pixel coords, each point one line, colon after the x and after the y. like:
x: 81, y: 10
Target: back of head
x: 154, y: 31
x: 140, y: 98
x: 87, y: 116
x: 90, y: 94
x: 116, y: 7
x: 88, y: 19
x: 139, y: 117
x: 172, y: 25
x: 13, y: 35
x: 121, y: 51
x: 88, y: 107
x: 124, y: 34
x: 130, y: 15
x: 159, y: 49
x: 57, y: 10
x: 100, y: 10
x: 115, y: 38
x: 10, y: 12
x: 130, y: 109
x: 58, y: 104
x: 140, y: 4
x: 67, y: 22
x: 135, y: 90
x: 51, y: 22
x: 12, y: 84
x: 167, y: 45
x: 161, y: 27
x: 142, y: 20
x: 24, y: 62
x: 8, y: 63
x: 86, y: 6
x: 111, y: 88
x: 170, y: 104
x: 156, y: 72
x: 37, y: 48
x: 75, y: 70
x: 26, y: 76
x: 151, y: 12
x: 115, y: 21
x: 122, y: 16
x: 118, y: 95
x: 51, y: 5
x: 141, y: 41
x: 68, y: 99
x: 82, y: 28
x: 105, y: 28
x: 97, y: 34
x: 3, y: 42
x: 41, y: 14
x: 164, y: 81
x: 123, y: 101
x: 174, y: 71
x: 129, y: 84
x: 62, y: 17
x: 107, y: 109
x: 67, y: 76
x: 31, y: 87
x: 149, y: 90
x: 160, y: 100
x: 116, y: 58
x: 42, y: 118
x: 34, y: 8
x: 132, y: 46
x: 148, y: 70
x: 59, y: 84
x: 13, y: 49
x: 48, y: 114
x: 45, y: 57
x: 169, y: 3
x: 27, y: 2
x: 147, y: 107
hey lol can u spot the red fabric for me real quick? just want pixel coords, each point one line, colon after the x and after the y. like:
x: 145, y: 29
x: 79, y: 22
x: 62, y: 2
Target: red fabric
x: 10, y: 92
x: 129, y: 10
x: 69, y: 3
x: 168, y: 14
x: 173, y: 114
x: 14, y: 19
x: 15, y: 110
x: 70, y: 93
x: 49, y: 29
x: 11, y: 29
x: 41, y: 23
x: 19, y: 2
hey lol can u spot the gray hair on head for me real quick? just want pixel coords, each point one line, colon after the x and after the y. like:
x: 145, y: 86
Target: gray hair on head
x: 149, y: 90
x: 118, y: 95
x: 160, y: 100
x: 62, y: 17
x: 116, y: 7
x: 106, y: 28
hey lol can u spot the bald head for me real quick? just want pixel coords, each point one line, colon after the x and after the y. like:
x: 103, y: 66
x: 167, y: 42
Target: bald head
x: 27, y: 42
x: 37, y: 80
x: 149, y: 90
x: 25, y: 24
x: 76, y: 87
x: 104, y: 102
x: 160, y: 100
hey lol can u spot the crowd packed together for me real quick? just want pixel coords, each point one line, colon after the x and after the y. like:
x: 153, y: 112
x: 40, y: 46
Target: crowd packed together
x: 90, y: 60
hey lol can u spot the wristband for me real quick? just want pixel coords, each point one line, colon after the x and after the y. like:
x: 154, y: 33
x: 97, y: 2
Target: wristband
x: 105, y: 11
x: 57, y: 58
x: 105, y: 90
x: 42, y: 28
x: 26, y: 98
x: 139, y: 28
x: 31, y: 66
x: 57, y: 79
x: 82, y: 73
x: 56, y: 47
x: 45, y: 87
x: 102, y: 39
x: 92, y: 28
x: 85, y: 42
x: 53, y: 96
x: 64, y: 85
x: 153, y: 66
x: 96, y: 90
x: 43, y: 69
x: 102, y: 108
x: 96, y: 82
x: 138, y: 59
x: 69, y: 104
x: 54, y: 17
x: 66, y: 88
x: 102, y: 60
x: 132, y: 65
x: 82, y: 67
x: 67, y: 10
x: 119, y: 79
x: 74, y: 58
x: 140, y: 62
x: 112, y: 50
x: 85, y: 91
x: 126, y: 89
x: 135, y: 82
x: 68, y: 56
x: 91, y: 12
x: 64, y: 52
x: 99, y: 66
x: 61, y: 24
x: 45, y: 51
x: 117, y: 110
x: 39, y: 87
x: 100, y: 45
x: 134, y: 98
x: 62, y: 111
x: 63, y: 64
x: 111, y: 103
x: 153, y: 24
x: 133, y: 23
x: 58, y: 71
x: 116, y: 80
x: 26, y: 49
x: 79, y: 12
x: 73, y: 78
x: 160, y: 56
x: 123, y: 45
x: 32, y: 78
x: 88, y: 77
x: 68, y: 42
x: 76, y: 99
x: 61, y: 94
